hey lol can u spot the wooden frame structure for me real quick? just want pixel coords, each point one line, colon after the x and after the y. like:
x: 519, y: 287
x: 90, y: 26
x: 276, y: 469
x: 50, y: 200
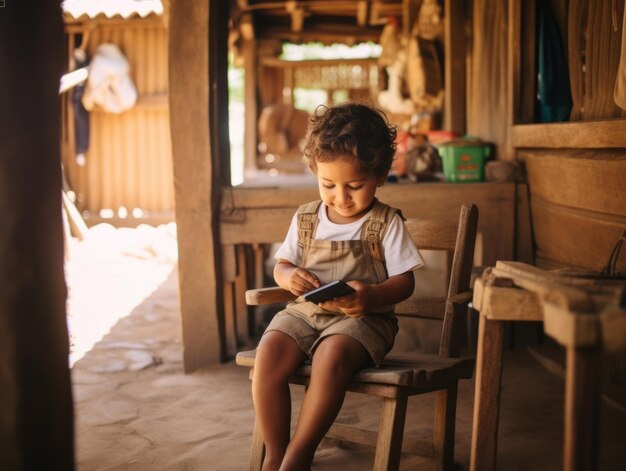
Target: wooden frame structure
x: 249, y: 217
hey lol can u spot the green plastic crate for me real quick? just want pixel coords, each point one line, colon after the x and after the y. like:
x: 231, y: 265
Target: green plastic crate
x: 464, y: 160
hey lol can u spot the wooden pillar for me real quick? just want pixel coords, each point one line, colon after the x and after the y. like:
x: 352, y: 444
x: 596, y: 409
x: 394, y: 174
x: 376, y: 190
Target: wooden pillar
x: 194, y: 89
x: 484, y: 442
x: 455, y: 57
x: 251, y: 112
x: 36, y: 416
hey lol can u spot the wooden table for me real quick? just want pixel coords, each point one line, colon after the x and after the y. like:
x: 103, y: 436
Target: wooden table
x: 586, y: 316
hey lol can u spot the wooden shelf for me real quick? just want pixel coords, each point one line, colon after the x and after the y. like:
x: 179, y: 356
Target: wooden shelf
x: 573, y: 135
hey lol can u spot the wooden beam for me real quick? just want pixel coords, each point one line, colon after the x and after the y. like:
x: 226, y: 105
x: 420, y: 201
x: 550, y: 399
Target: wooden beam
x: 218, y: 93
x: 196, y: 173
x: 514, y: 58
x: 36, y: 413
x: 455, y: 42
x: 587, y: 134
x: 251, y: 112
x: 487, y: 395
x: 523, y: 226
x: 361, y: 13
x: 508, y: 304
x: 582, y: 408
x: 527, y: 68
x: 297, y: 15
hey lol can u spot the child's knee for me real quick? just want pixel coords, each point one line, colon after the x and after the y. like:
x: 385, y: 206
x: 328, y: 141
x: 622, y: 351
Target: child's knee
x: 339, y: 354
x: 276, y: 352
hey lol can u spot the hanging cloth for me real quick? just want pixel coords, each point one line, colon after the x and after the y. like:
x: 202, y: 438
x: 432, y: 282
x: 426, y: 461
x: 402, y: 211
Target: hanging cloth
x: 553, y: 90
x: 81, y: 115
x: 109, y: 84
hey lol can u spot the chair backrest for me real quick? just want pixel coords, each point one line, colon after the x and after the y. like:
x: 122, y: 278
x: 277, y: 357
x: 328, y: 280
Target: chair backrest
x: 456, y: 238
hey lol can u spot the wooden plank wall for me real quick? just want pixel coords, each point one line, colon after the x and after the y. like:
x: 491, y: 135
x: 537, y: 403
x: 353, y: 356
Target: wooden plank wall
x: 489, y: 86
x: 129, y: 162
x: 576, y: 171
x: 595, y: 27
x: 578, y: 205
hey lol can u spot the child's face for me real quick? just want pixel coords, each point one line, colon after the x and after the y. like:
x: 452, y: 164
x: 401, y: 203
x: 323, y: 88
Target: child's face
x: 346, y: 191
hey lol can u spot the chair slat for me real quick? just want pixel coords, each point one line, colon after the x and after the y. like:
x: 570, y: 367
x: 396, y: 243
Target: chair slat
x: 433, y: 234
x: 423, y: 308
x: 271, y: 295
x: 347, y: 434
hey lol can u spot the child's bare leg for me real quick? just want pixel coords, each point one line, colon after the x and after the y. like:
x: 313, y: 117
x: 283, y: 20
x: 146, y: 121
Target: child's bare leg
x: 334, y: 362
x: 277, y: 357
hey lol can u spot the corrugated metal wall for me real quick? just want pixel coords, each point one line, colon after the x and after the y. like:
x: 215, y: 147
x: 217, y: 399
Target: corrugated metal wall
x: 129, y: 162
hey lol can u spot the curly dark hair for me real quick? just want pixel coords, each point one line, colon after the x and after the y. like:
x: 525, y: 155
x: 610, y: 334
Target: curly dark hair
x: 354, y: 130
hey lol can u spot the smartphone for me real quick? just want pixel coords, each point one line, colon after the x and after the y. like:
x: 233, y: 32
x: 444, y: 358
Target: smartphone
x: 336, y: 289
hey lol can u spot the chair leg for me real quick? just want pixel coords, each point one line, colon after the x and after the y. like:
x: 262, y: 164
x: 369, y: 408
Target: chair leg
x: 390, y: 431
x: 257, y: 454
x: 445, y: 418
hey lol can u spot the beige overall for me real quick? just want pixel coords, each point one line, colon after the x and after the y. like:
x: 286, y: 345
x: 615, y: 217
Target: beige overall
x: 346, y: 260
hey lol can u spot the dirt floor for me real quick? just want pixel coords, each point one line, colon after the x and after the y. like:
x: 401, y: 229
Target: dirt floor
x: 137, y: 410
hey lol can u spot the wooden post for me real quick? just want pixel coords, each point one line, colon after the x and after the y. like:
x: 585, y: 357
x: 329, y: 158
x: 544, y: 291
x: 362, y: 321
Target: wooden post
x: 487, y: 395
x: 36, y: 416
x: 582, y: 408
x: 455, y: 58
x: 194, y: 87
x: 251, y: 113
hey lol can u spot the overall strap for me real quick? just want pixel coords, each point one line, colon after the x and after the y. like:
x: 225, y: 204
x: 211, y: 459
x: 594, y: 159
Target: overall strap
x: 307, y: 225
x: 374, y: 228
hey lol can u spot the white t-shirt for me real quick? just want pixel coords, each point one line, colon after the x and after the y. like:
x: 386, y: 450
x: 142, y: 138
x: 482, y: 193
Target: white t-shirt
x: 400, y: 252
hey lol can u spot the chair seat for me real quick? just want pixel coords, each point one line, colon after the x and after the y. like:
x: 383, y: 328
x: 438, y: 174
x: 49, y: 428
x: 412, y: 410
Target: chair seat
x: 403, y: 370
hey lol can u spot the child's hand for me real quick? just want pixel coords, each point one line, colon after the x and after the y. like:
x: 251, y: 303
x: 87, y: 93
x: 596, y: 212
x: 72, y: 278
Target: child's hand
x: 353, y: 305
x: 302, y: 281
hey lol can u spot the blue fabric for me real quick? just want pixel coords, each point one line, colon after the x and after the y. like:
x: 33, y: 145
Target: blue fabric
x: 553, y: 89
x: 81, y: 116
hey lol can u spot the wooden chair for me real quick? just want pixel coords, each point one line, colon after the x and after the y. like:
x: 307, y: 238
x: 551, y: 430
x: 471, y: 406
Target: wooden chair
x: 407, y: 374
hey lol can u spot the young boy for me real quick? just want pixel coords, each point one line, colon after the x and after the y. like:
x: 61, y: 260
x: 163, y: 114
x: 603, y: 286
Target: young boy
x: 347, y: 235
